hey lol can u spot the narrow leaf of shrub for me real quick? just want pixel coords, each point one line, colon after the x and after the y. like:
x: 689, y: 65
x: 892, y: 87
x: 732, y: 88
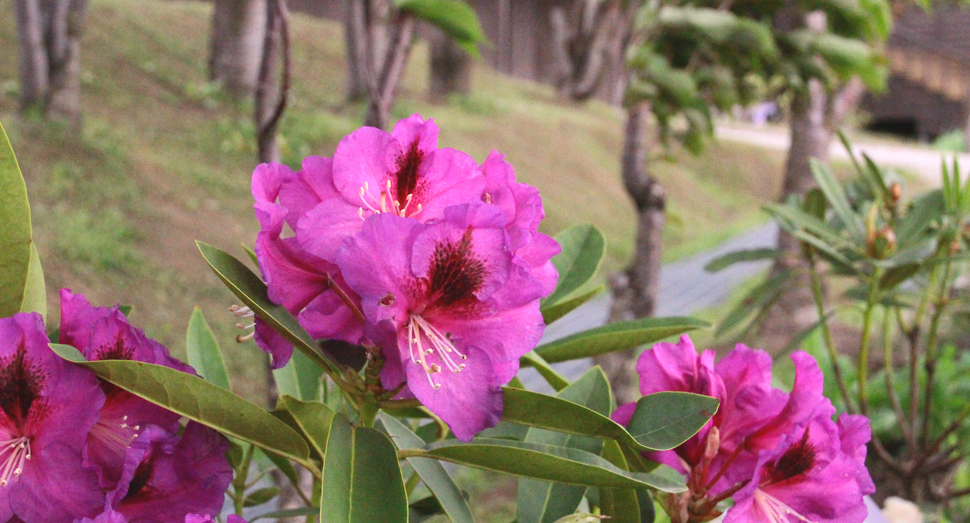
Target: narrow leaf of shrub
x: 723, y: 262
x: 299, y: 378
x: 15, y: 235
x: 35, y: 290
x: 583, y: 250
x: 204, y: 353
x: 563, y: 307
x: 451, y: 501
x: 553, y: 378
x: 198, y: 400
x: 615, y: 337
x: 312, y: 418
x: 664, y: 420
x: 362, y: 480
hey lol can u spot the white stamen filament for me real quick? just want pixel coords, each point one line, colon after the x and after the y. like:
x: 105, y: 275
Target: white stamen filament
x: 244, y: 312
x: 395, y: 208
x: 241, y: 312
x: 777, y: 511
x: 418, y: 327
x: 19, y: 452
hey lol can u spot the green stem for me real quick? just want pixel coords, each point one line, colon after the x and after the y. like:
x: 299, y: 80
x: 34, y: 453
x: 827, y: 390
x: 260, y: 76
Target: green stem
x: 864, y: 344
x: 890, y: 371
x: 239, y: 482
x: 827, y: 335
x: 931, y: 342
x: 412, y: 483
x: 368, y: 411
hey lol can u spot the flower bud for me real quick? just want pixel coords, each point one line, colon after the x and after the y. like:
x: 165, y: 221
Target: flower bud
x: 881, y: 244
x: 895, y: 192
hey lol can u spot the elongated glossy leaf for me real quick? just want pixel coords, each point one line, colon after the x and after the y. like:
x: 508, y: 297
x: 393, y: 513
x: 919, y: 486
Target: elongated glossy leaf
x: 35, y: 292
x: 204, y: 351
x: 923, y: 211
x: 664, y: 420
x: 312, y: 418
x: 546, y: 502
x: 583, y: 250
x: 616, y: 336
x: 252, y: 291
x: 434, y: 475
x: 621, y: 505
x: 197, y: 400
x: 15, y: 234
x: 556, y: 381
x: 455, y: 18
x: 723, y: 262
x: 299, y: 378
x: 547, y: 462
x: 554, y: 413
x: 837, y: 199
x: 362, y: 480
x: 792, y: 219
x: 563, y: 307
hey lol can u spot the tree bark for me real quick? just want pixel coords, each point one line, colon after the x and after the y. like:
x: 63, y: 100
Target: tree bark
x: 271, y: 96
x: 33, y: 55
x: 451, y: 67
x: 585, y: 42
x: 236, y: 45
x: 635, y: 290
x: 383, y: 86
x: 64, y: 59
x: 358, y: 58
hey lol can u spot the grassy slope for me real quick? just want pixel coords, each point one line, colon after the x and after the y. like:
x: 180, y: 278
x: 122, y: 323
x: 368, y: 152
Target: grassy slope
x: 163, y: 160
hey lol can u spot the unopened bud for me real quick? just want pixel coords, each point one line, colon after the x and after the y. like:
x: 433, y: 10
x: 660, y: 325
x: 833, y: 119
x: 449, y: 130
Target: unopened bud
x: 895, y: 192
x: 882, y: 244
x: 712, y: 445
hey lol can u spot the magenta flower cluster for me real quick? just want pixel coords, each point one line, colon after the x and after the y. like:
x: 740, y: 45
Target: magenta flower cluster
x: 73, y: 448
x: 416, y: 249
x: 779, y: 455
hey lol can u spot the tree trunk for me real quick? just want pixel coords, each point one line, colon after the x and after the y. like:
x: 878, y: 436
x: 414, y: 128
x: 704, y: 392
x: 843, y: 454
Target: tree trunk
x: 585, y: 41
x: 33, y: 55
x: 358, y: 58
x: 383, y: 87
x: 451, y: 67
x: 271, y: 95
x: 236, y: 45
x: 64, y: 59
x: 635, y: 291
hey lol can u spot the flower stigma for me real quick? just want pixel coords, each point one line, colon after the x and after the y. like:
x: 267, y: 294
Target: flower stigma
x: 439, y: 342
x: 18, y: 452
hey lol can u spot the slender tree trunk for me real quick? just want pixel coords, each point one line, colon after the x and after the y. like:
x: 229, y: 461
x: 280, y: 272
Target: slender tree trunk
x: 451, y: 67
x: 383, y: 86
x: 33, y: 54
x: 585, y: 41
x: 64, y: 59
x: 358, y: 57
x: 271, y: 96
x: 236, y: 45
x: 635, y: 291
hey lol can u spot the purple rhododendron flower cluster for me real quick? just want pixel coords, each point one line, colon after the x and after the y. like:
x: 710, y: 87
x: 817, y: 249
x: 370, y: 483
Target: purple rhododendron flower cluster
x: 416, y: 249
x: 779, y: 455
x: 76, y: 448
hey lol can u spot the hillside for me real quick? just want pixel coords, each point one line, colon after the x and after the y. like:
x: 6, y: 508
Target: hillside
x: 164, y: 159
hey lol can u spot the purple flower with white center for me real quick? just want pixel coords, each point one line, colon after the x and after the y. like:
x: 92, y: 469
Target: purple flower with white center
x: 449, y: 309
x: 167, y: 477
x: 103, y: 333
x: 47, y: 407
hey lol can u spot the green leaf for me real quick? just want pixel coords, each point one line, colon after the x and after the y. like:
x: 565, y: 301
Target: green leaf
x: 35, y: 291
x: 583, y: 250
x: 203, y: 351
x: 15, y: 235
x: 299, y: 378
x: 836, y: 197
x: 621, y: 505
x: 664, y: 420
x: 546, y: 462
x: 434, y: 475
x: 763, y: 295
x: 252, y: 291
x: 748, y: 255
x: 455, y: 18
x: 616, y: 337
x: 556, y: 381
x: 543, y: 501
x: 261, y: 496
x: 362, y: 481
x: 313, y: 419
x: 285, y: 467
x: 197, y: 400
x: 553, y: 312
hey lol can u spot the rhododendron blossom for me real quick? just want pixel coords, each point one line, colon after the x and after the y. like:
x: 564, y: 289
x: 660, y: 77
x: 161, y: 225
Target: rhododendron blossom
x: 47, y: 408
x: 779, y: 455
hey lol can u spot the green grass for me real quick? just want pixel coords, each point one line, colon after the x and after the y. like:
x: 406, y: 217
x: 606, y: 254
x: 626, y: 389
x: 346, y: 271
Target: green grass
x: 164, y: 158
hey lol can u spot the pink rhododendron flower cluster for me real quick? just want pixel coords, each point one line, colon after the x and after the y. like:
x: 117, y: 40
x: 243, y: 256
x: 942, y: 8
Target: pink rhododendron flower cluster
x: 74, y: 447
x: 417, y: 249
x: 779, y: 455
